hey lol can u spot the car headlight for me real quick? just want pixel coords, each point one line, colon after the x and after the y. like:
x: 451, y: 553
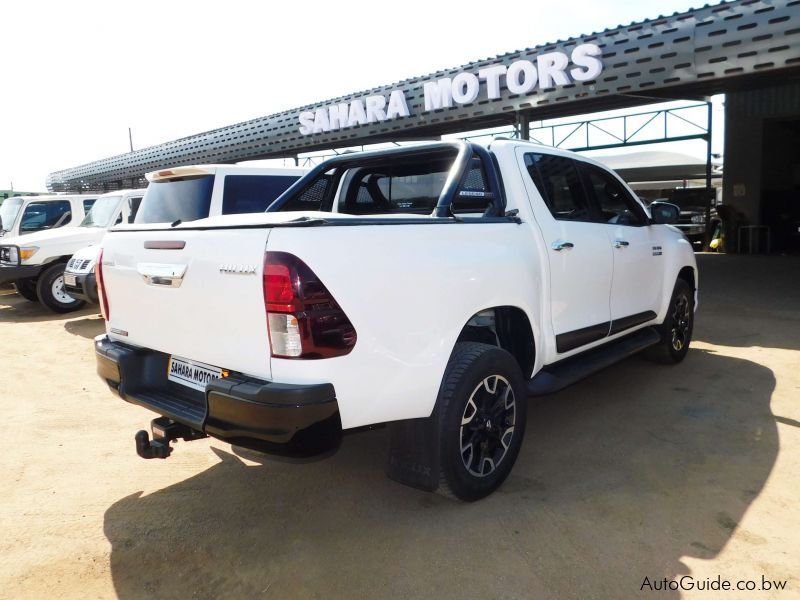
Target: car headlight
x: 8, y: 254
x: 27, y: 251
x: 698, y: 219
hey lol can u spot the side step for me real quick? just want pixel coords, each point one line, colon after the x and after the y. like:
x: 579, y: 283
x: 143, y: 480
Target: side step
x: 557, y: 376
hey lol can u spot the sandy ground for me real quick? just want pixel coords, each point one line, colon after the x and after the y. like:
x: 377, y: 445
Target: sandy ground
x: 640, y: 471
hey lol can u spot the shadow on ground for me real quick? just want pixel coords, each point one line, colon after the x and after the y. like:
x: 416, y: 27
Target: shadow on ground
x: 14, y: 308
x: 88, y: 327
x: 619, y: 477
x: 749, y: 301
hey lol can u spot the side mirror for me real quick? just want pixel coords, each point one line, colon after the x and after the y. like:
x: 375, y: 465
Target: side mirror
x: 664, y: 213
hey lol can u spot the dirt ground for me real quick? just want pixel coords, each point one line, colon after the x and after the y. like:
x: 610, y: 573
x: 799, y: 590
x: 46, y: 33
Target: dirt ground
x: 640, y: 471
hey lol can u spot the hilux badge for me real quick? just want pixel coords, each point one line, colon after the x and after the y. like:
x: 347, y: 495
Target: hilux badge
x: 238, y: 269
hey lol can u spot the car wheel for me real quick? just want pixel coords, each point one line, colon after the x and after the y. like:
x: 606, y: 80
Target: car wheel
x: 50, y: 289
x: 483, y: 407
x: 676, y: 330
x: 27, y: 289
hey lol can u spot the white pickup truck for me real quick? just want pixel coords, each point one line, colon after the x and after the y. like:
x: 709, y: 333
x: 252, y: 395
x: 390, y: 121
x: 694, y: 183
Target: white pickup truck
x: 433, y: 288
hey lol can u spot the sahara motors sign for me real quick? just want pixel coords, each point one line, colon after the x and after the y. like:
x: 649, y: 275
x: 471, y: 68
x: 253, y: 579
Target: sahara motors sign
x: 549, y: 70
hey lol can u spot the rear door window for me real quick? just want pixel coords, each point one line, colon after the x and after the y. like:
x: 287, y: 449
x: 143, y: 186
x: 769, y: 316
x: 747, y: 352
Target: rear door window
x: 253, y: 193
x: 559, y: 183
x: 45, y: 215
x: 181, y: 199
x: 87, y: 204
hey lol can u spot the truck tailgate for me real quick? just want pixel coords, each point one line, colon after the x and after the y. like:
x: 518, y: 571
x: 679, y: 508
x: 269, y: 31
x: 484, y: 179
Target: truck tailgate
x: 203, y: 302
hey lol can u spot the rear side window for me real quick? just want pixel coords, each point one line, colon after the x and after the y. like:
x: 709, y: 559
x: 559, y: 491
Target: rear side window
x: 253, y: 193
x: 616, y: 205
x: 133, y: 207
x: 181, y: 199
x: 396, y: 188
x: 558, y: 181
x: 45, y: 215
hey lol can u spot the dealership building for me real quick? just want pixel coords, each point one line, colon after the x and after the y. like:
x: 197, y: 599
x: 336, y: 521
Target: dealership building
x: 747, y: 49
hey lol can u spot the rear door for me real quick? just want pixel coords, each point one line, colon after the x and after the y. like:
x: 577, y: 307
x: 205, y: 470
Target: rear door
x: 638, y: 262
x: 578, y: 251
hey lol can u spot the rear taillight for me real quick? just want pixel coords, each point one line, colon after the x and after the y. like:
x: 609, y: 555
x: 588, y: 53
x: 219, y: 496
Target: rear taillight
x: 303, y: 318
x: 101, y: 288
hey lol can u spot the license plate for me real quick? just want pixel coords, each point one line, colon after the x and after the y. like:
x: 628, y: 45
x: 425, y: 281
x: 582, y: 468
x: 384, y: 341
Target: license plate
x: 70, y: 280
x: 191, y: 373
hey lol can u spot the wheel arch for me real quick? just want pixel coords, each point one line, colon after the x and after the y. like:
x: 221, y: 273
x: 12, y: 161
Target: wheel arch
x: 507, y: 327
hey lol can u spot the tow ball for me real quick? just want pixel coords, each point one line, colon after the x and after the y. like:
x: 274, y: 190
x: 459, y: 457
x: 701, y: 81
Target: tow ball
x: 164, y: 430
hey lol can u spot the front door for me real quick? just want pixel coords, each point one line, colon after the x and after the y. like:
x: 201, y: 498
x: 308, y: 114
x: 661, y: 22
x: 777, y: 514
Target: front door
x: 578, y: 251
x: 638, y: 263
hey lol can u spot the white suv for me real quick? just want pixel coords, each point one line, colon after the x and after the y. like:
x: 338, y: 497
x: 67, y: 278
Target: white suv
x: 20, y: 215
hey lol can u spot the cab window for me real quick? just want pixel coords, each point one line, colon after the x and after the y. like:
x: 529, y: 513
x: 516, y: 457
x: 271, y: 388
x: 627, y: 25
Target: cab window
x: 45, y: 215
x: 558, y: 181
x: 617, y: 206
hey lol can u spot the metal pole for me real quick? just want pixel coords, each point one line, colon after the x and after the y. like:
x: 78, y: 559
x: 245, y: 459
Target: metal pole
x: 524, y: 124
x: 130, y: 138
x: 709, y: 189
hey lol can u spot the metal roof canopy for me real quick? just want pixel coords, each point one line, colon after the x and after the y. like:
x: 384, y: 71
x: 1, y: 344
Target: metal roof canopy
x: 729, y: 46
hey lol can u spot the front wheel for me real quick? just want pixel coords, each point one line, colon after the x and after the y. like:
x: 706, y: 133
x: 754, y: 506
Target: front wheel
x: 27, y: 289
x: 676, y: 330
x: 50, y: 289
x: 483, y: 405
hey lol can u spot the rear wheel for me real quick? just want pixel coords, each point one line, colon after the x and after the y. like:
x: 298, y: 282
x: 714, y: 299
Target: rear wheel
x: 27, y: 289
x: 676, y: 330
x: 50, y: 288
x: 483, y: 408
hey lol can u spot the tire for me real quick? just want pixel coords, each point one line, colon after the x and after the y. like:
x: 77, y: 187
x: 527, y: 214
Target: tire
x: 50, y: 289
x: 676, y: 330
x: 27, y: 289
x: 477, y: 377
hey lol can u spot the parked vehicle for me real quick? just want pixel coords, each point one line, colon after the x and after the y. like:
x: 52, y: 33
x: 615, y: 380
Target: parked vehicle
x: 433, y: 288
x: 110, y: 209
x: 20, y: 215
x: 36, y: 262
x: 185, y: 194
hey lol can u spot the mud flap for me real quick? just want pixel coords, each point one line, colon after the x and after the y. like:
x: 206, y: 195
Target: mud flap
x: 414, y: 452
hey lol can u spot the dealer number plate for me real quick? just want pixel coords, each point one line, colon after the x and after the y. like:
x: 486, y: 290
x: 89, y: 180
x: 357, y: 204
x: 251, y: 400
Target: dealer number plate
x: 70, y: 280
x: 191, y: 373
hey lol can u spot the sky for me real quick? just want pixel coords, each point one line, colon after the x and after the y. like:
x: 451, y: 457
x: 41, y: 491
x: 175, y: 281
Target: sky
x: 76, y: 75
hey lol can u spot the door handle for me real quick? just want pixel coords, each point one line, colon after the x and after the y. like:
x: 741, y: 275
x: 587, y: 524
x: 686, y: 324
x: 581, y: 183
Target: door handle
x: 160, y: 274
x: 621, y: 244
x: 558, y: 246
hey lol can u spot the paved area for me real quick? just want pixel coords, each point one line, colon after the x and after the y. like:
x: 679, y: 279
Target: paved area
x: 640, y: 471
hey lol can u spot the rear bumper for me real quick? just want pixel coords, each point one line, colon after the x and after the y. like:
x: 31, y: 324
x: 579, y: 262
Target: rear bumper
x: 277, y: 418
x: 14, y: 272
x: 85, y: 287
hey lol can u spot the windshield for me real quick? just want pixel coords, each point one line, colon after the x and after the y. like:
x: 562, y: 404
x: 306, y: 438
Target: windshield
x: 181, y: 199
x: 103, y: 210
x: 9, y: 210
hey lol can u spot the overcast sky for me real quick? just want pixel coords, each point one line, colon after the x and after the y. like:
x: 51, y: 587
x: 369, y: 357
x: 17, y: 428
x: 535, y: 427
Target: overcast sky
x: 77, y: 74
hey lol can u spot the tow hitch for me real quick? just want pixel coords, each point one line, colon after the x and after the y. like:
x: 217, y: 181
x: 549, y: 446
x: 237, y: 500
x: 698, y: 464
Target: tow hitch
x: 164, y: 431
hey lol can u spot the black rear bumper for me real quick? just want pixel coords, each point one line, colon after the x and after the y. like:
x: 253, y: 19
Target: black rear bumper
x: 277, y: 418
